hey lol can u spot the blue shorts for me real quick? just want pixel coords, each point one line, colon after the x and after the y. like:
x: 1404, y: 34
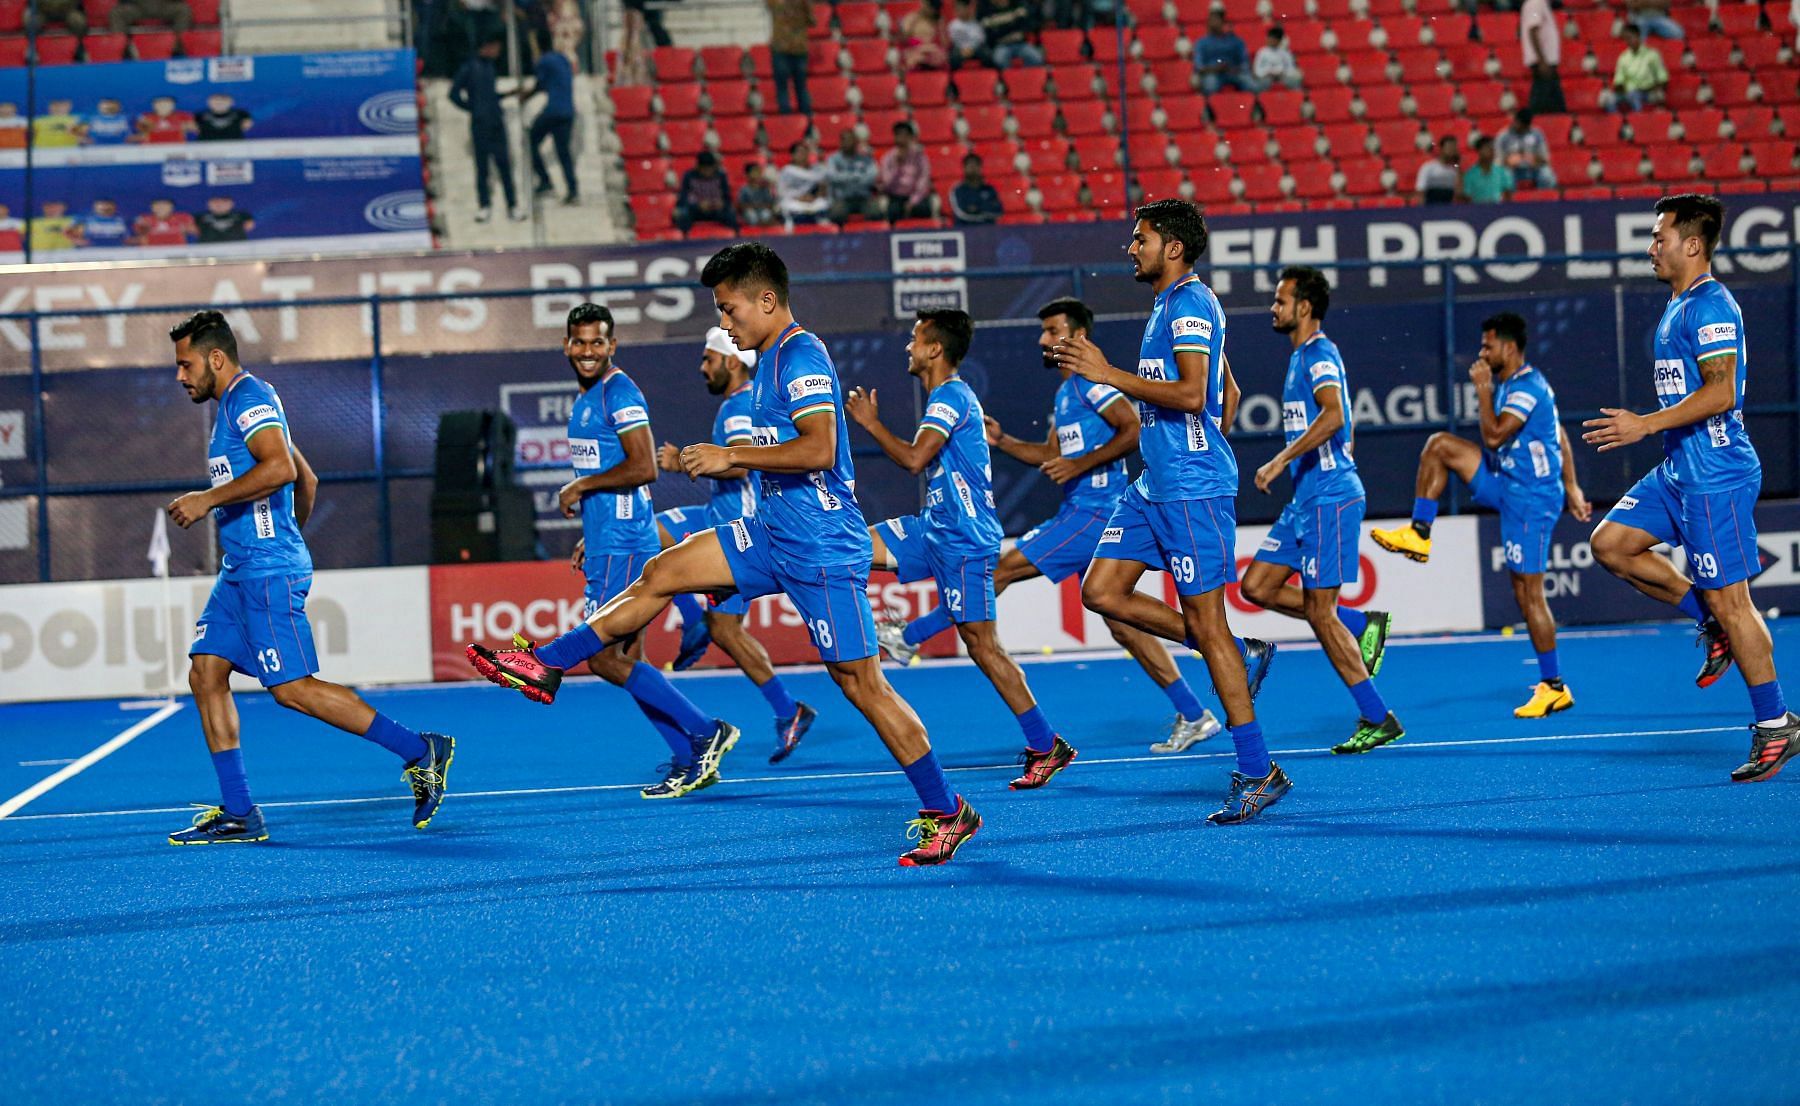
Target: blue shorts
x: 608, y: 574
x: 683, y: 522
x: 1525, y: 530
x: 1064, y: 545
x: 833, y: 600
x: 1717, y: 530
x: 1194, y: 539
x: 260, y: 626
x: 965, y: 584
x: 1319, y: 542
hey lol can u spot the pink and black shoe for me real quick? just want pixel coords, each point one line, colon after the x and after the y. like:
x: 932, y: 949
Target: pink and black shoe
x: 517, y: 668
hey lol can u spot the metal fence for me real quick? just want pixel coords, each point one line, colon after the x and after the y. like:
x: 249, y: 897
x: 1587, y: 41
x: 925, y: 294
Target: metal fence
x: 95, y: 436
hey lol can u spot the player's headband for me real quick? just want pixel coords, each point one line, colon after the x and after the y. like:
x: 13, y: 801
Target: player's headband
x: 720, y: 342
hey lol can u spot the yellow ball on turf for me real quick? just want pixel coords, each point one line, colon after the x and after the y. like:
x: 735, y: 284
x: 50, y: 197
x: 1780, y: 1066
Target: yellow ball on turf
x: 1047, y: 650
x: 1506, y: 631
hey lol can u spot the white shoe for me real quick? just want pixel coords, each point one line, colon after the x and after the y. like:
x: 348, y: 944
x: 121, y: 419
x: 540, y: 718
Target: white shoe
x: 1186, y: 733
x: 891, y: 633
x: 518, y: 215
x: 482, y: 215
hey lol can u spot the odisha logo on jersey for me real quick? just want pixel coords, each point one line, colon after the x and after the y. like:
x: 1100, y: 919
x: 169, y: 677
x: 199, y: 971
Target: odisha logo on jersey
x: 397, y: 211
x: 390, y: 113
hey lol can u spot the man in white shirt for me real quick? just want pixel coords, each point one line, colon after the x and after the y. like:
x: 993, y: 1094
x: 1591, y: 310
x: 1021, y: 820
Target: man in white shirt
x: 1274, y: 63
x: 1540, y: 42
x: 802, y: 186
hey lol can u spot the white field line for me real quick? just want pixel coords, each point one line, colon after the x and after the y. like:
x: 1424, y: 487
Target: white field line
x: 83, y: 763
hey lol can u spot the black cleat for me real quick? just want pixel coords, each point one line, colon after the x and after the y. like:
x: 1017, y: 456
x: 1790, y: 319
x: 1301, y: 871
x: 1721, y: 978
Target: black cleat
x: 1249, y: 797
x: 1259, y: 657
x: 1718, y: 653
x: 429, y: 777
x: 1770, y: 748
x: 1372, y: 735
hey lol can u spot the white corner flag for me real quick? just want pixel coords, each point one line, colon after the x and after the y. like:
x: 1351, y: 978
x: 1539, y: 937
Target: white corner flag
x: 159, y: 564
x: 159, y: 545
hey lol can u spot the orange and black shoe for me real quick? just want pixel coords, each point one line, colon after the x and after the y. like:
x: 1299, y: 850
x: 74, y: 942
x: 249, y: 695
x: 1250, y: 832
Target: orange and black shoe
x: 1039, y: 767
x: 1250, y: 796
x: 1770, y: 748
x: 939, y: 835
x: 1718, y: 653
x: 517, y: 668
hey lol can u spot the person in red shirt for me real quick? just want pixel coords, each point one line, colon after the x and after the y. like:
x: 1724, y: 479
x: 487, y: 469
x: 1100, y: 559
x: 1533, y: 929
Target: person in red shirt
x: 162, y: 123
x: 163, y: 226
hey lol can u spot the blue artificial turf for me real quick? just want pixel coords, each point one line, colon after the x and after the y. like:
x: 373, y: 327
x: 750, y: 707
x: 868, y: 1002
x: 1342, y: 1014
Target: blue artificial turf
x: 1468, y: 917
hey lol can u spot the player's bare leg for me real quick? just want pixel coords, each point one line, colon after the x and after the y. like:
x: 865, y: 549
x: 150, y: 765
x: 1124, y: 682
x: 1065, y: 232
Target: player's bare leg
x: 1549, y: 695
x: 1266, y: 585
x: 1625, y: 551
x: 209, y: 678
x: 1444, y: 453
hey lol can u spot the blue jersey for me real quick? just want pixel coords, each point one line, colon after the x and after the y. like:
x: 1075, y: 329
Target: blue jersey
x: 1530, y: 464
x: 1185, y: 455
x: 731, y: 426
x: 612, y: 522
x: 812, y: 517
x: 1081, y: 429
x: 959, y: 500
x: 1328, y: 473
x: 259, y: 538
x: 104, y: 230
x: 1702, y: 323
x: 109, y: 130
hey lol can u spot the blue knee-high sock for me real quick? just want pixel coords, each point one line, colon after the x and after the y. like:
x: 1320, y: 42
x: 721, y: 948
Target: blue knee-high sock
x: 1039, y: 737
x: 780, y: 701
x: 1425, y: 511
x: 1693, y: 604
x: 1354, y: 620
x: 1185, y: 702
x: 395, y: 738
x: 1252, y: 754
x: 927, y: 778
x: 1549, y: 670
x: 1369, y: 701
x: 1767, y: 704
x: 691, y: 609
x: 927, y: 626
x: 681, y: 746
x: 234, y: 786
x: 653, y: 689
x: 571, y: 648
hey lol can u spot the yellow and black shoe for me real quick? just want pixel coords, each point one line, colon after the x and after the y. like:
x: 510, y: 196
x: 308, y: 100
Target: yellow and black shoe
x: 214, y: 826
x: 1546, y: 699
x: 1404, y: 540
x: 1371, y: 735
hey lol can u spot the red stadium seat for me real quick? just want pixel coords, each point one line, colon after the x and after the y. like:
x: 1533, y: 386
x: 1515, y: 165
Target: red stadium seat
x: 729, y: 98
x: 1498, y: 27
x: 1354, y: 34
x: 1431, y: 102
x: 1231, y: 109
x: 1467, y: 61
x: 1382, y: 102
x: 1593, y: 26
x: 1332, y: 104
x: 1063, y: 48
x: 1281, y: 107
x: 1035, y: 120
x: 111, y: 47
x: 197, y: 43
x: 782, y: 131
x: 630, y: 104
x: 1669, y: 161
x: 826, y: 56
x: 1774, y: 156
x: 1760, y: 51
x: 831, y: 93
x: 761, y: 65
x: 1174, y: 77
x: 1058, y: 190
x: 1729, y: 89
x: 1482, y: 98
x: 1347, y: 139
x: 1262, y: 183
x: 60, y: 49
x: 1025, y: 86
x: 977, y: 86
x: 679, y: 101
x: 1571, y: 165
x: 1780, y: 85
x: 1399, y: 138
x: 1683, y: 91
x: 1096, y: 153
x: 1708, y: 55
x: 868, y: 56
x: 638, y: 140
x: 1212, y: 185
x: 647, y: 174
x: 1418, y: 65
x: 881, y: 123
x: 830, y: 124
x: 821, y: 22
x: 1306, y: 37
x: 1147, y: 146
x: 1583, y: 93
x: 673, y: 63
x: 1312, y: 180
x: 1085, y: 118
x: 1723, y: 161
x: 1048, y: 154
x: 737, y: 135
x: 1739, y: 21
x: 1701, y: 124
x: 984, y: 122
x: 1076, y: 82
x: 1299, y: 143
x: 927, y: 89
x: 722, y: 63
x: 1651, y: 126
x: 1403, y: 31
x: 687, y: 137
x: 935, y: 124
x: 206, y: 12
x: 12, y: 53
x: 879, y: 91
x: 1183, y: 114
x: 859, y: 20
x: 1248, y: 144
x: 1753, y: 121
x: 1619, y: 166
x: 1160, y: 184
x: 653, y: 211
x: 1159, y: 48
x: 1362, y: 176
x: 1103, y: 48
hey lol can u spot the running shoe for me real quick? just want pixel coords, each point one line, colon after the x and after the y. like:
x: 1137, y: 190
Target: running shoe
x: 1372, y: 735
x: 1718, y: 653
x: 939, y: 835
x: 1188, y: 732
x: 1770, y: 748
x: 212, y: 826
x: 890, y: 631
x: 671, y: 786
x: 789, y: 731
x: 1039, y: 767
x: 1373, y: 641
x: 1249, y: 796
x: 1259, y: 655
x: 696, y: 638
x: 517, y: 668
x: 1546, y: 700
x: 429, y: 776
x: 708, y: 752
x: 1404, y: 540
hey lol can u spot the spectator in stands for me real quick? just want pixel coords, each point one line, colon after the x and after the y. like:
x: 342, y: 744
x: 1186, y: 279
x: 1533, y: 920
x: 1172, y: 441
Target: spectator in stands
x: 223, y: 120
x: 905, y: 177
x: 923, y: 44
x: 1487, y: 181
x: 652, y: 19
x: 474, y: 91
x: 54, y: 229
x: 163, y: 124
x: 1651, y: 18
x: 12, y: 231
x: 968, y: 38
x: 109, y: 125
x: 1221, y: 58
x: 801, y: 182
x: 104, y: 226
x: 58, y: 127
x: 1524, y: 149
x: 789, y: 22
x: 1275, y: 62
x: 1438, y: 181
x: 163, y: 226
x: 756, y: 200
x: 175, y: 13
x: 67, y: 12
x: 1008, y: 26
x: 553, y: 76
x: 1640, y: 77
x: 850, y: 174
x: 1540, y: 43
x: 704, y: 195
x: 223, y: 222
x: 12, y: 127
x: 974, y: 201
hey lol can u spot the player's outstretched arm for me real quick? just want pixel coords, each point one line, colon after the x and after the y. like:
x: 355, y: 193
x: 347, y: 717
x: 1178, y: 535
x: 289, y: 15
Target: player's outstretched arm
x: 637, y: 469
x: 812, y: 449
x: 306, y: 488
x: 274, y: 467
x: 1123, y: 418
x: 914, y: 456
x: 1716, y: 395
x: 1032, y: 453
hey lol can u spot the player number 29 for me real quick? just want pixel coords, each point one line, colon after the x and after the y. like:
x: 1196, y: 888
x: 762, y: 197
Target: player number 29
x: 1706, y: 565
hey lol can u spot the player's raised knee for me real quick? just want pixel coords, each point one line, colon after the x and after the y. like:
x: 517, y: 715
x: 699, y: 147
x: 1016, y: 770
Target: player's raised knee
x: 1101, y: 598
